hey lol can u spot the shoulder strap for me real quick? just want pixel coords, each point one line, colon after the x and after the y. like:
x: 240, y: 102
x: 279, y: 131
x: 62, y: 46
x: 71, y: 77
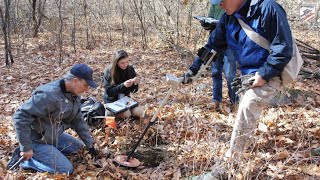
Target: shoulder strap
x: 255, y: 37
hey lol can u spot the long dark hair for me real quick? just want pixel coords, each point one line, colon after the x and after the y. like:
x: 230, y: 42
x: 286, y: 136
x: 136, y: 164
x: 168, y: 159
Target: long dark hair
x: 117, y: 74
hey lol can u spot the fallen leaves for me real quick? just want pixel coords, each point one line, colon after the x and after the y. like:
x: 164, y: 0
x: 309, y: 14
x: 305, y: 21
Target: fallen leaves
x: 316, y: 133
x: 312, y: 170
x: 281, y: 155
x: 194, y: 136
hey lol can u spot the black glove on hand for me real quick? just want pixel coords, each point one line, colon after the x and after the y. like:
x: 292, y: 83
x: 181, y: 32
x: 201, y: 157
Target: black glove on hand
x: 242, y: 83
x: 236, y: 84
x: 93, y: 152
x: 204, y: 54
x: 187, y: 77
x: 207, y: 26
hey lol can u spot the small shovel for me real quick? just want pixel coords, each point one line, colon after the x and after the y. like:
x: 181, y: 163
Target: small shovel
x: 16, y: 164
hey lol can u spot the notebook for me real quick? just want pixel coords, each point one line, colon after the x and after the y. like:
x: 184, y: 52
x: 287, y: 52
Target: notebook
x: 121, y: 105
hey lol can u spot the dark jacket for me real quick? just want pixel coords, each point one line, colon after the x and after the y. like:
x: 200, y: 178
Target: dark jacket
x: 44, y: 117
x: 111, y: 92
x: 269, y: 20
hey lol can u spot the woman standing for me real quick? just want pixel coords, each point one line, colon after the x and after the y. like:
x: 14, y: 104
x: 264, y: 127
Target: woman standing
x: 120, y: 79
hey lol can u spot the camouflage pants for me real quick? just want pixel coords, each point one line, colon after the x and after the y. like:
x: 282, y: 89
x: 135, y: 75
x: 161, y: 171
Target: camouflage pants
x: 251, y: 105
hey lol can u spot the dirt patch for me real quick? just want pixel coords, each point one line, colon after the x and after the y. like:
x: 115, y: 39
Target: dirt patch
x: 151, y: 157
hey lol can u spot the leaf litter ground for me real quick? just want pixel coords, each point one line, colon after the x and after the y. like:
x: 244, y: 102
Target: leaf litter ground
x: 188, y: 139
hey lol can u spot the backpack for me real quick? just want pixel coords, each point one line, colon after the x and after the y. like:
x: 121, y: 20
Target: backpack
x: 291, y: 70
x: 91, y: 108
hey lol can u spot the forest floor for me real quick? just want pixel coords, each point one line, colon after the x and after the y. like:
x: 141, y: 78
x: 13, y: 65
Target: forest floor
x: 189, y: 138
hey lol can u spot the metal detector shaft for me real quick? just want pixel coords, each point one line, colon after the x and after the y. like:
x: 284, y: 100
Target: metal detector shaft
x: 161, y: 105
x: 204, y: 66
x: 150, y: 123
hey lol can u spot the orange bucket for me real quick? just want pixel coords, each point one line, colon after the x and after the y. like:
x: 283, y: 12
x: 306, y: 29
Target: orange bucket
x: 110, y: 121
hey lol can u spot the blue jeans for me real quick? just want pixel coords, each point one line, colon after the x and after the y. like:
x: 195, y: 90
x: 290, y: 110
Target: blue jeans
x: 228, y: 63
x: 48, y: 158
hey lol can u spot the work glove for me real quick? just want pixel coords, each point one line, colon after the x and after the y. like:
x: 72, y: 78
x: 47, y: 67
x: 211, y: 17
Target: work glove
x: 242, y: 83
x: 187, y: 77
x: 93, y: 152
x: 207, y: 26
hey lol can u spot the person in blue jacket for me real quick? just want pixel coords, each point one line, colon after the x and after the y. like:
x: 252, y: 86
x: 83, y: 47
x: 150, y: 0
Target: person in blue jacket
x: 40, y: 123
x: 226, y: 62
x: 263, y: 67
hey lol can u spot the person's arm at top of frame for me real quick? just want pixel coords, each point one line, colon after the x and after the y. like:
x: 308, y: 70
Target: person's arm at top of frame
x: 216, y: 41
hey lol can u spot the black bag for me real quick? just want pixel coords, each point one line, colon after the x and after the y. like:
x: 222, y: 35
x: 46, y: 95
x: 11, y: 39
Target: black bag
x: 91, y: 108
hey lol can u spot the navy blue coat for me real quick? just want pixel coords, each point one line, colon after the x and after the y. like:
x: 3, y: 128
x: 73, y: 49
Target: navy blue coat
x: 269, y: 20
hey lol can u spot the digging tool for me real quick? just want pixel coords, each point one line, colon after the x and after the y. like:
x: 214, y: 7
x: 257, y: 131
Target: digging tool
x: 128, y: 161
x: 99, y: 117
x: 16, y: 164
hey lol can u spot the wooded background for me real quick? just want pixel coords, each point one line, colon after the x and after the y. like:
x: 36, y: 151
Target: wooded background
x: 42, y: 39
x: 72, y: 25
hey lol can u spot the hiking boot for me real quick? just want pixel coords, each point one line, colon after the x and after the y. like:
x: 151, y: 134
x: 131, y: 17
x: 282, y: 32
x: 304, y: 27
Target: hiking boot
x: 14, y: 158
x: 216, y: 106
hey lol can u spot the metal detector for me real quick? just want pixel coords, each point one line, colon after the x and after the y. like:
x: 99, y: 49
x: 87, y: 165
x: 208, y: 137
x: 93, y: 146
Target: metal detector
x: 129, y: 161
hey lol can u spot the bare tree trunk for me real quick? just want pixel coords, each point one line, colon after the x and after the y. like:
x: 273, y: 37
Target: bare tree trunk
x: 16, y: 31
x: 34, y: 20
x: 154, y: 14
x: 20, y: 28
x: 138, y: 9
x: 188, y: 28
x: 317, y: 11
x: 5, y: 37
x: 122, y: 14
x: 41, y: 8
x: 5, y: 19
x: 177, y: 24
x: 73, y: 33
x: 8, y: 31
x: 143, y: 26
x: 109, y: 21
x: 60, y: 36
x: 37, y: 15
x: 86, y: 21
